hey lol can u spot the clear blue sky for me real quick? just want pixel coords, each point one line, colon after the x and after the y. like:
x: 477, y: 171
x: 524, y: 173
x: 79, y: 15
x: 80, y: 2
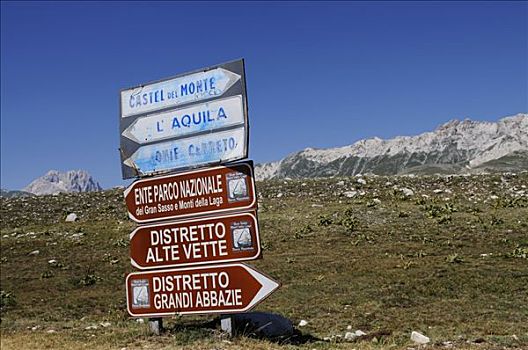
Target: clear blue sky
x: 318, y: 74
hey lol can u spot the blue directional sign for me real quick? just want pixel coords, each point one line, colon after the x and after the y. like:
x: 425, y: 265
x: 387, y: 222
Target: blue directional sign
x: 194, y: 119
x: 210, y: 148
x: 207, y: 116
x: 175, y: 92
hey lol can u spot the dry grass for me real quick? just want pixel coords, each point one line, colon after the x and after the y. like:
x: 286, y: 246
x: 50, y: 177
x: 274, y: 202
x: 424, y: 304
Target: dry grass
x: 448, y: 264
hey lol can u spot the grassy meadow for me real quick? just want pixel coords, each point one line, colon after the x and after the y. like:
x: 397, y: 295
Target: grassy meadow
x: 445, y: 256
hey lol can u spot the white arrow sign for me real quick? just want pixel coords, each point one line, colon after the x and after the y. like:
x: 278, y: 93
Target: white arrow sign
x: 174, y: 92
x: 207, y: 116
x: 200, y: 290
x: 222, y: 146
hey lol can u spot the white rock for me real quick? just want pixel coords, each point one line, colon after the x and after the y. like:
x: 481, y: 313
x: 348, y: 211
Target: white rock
x: 350, y: 194
x: 52, y: 261
x: 359, y: 333
x: 279, y: 195
x: 493, y: 196
x: 105, y: 324
x: 349, y: 336
x: 317, y: 205
x: 407, y: 192
x: 140, y: 320
x: 341, y: 183
x: 51, y: 331
x: 303, y: 323
x: 91, y: 327
x: 349, y: 327
x: 71, y: 217
x: 437, y: 191
x: 34, y: 328
x: 361, y: 181
x: 376, y: 200
x: 35, y: 252
x: 388, y: 184
x: 419, y: 338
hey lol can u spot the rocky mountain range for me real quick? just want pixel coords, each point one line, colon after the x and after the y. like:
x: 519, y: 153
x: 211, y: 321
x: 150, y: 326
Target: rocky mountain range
x: 54, y: 182
x: 465, y: 146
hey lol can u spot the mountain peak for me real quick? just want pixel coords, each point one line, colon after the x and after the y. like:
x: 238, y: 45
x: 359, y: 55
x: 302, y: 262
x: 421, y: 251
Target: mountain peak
x: 455, y: 146
x: 54, y: 182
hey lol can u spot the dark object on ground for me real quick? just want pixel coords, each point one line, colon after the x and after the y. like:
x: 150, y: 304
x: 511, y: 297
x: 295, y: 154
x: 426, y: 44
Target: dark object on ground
x: 273, y: 327
x: 262, y: 325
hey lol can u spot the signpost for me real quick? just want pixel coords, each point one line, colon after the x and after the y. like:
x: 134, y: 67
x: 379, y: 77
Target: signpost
x: 219, y: 239
x: 206, y: 191
x: 199, y: 290
x: 169, y: 131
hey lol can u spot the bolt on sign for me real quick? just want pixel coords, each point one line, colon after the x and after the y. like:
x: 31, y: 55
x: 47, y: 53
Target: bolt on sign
x: 199, y: 290
x: 199, y: 192
x: 193, y: 119
x: 227, y: 238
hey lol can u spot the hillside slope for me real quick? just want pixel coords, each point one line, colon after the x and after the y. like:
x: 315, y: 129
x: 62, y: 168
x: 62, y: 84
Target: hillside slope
x: 445, y: 256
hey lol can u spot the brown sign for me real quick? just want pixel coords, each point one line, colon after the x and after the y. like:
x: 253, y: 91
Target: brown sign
x: 197, y: 290
x: 200, y: 192
x: 218, y: 239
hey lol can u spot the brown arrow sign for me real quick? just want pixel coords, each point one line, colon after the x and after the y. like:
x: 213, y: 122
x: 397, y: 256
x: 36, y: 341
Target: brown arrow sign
x: 198, y: 290
x: 201, y: 192
x: 227, y: 238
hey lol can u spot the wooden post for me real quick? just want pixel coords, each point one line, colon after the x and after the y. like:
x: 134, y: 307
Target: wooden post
x: 155, y: 325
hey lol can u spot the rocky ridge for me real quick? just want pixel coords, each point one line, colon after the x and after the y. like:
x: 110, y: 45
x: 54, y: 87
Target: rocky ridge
x: 54, y: 182
x: 455, y: 147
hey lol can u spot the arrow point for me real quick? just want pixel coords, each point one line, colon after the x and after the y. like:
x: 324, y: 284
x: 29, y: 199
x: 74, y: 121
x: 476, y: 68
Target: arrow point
x: 268, y: 286
x: 129, y: 134
x: 130, y: 163
x: 232, y: 78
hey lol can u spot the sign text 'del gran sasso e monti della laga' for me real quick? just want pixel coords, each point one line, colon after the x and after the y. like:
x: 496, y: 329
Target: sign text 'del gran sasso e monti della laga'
x: 172, y: 132
x: 187, y: 121
x: 205, y: 191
